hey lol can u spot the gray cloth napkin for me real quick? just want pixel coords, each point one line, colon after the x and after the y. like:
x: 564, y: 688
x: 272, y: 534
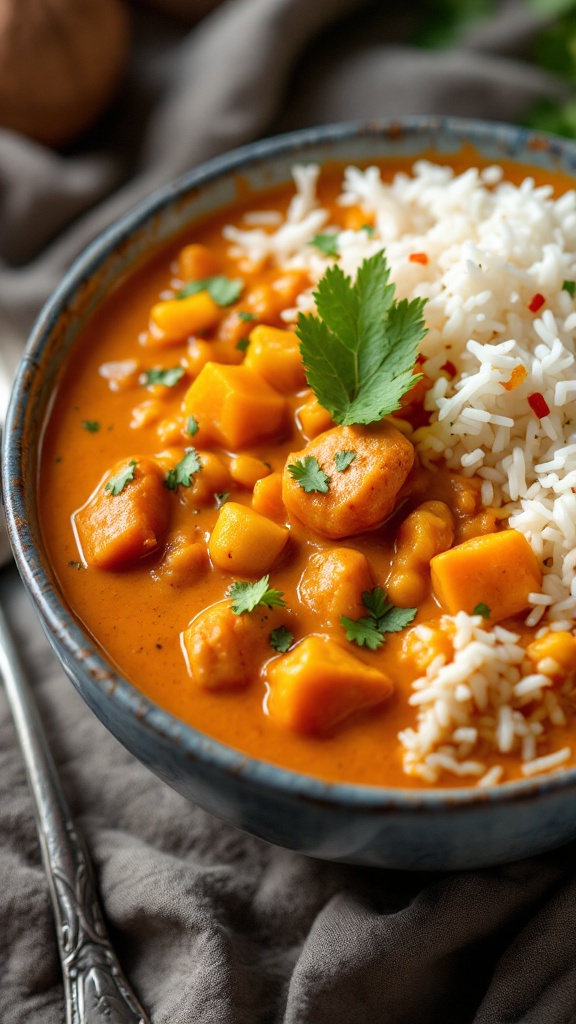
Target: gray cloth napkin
x: 212, y: 926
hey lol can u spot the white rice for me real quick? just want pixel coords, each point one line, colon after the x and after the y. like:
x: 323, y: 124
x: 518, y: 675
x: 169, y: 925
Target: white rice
x: 492, y: 247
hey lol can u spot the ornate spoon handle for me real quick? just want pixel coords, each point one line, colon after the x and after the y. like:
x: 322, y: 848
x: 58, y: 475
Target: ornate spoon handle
x: 96, y: 990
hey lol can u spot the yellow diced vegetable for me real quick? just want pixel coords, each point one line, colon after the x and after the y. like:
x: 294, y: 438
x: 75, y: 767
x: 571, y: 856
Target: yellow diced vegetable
x: 267, y: 497
x: 244, y: 542
x: 275, y: 355
x: 498, y: 570
x: 425, y: 532
x: 196, y: 262
x: 175, y: 320
x: 333, y: 582
x: 246, y: 470
x: 554, y: 654
x: 314, y: 418
x: 319, y: 684
x: 234, y: 406
x: 224, y: 650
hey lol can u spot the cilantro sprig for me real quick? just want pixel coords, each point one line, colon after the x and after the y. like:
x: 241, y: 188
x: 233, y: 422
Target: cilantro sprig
x: 183, y: 473
x: 344, y: 459
x: 281, y: 639
x: 221, y: 289
x: 360, y: 351
x: 383, y: 617
x: 309, y: 474
x: 159, y: 375
x: 248, y: 596
x: 326, y: 243
x: 121, y: 479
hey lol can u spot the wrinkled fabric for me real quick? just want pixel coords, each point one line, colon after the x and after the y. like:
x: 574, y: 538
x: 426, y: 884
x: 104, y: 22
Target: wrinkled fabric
x: 213, y: 926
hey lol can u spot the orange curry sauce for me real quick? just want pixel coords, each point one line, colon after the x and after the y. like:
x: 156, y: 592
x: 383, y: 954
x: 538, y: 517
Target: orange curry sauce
x: 137, y: 613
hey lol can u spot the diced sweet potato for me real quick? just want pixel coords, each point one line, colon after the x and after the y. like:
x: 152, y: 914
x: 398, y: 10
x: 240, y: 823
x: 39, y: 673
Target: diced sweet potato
x: 333, y: 582
x: 225, y: 650
x: 275, y: 355
x: 314, y: 418
x: 246, y: 470
x: 319, y: 684
x: 267, y: 498
x: 244, y: 542
x: 196, y: 262
x: 499, y: 570
x: 554, y: 654
x: 234, y: 406
x: 426, y: 531
x: 362, y: 496
x: 184, y: 562
x: 115, y: 530
x: 424, y: 643
x: 174, y: 320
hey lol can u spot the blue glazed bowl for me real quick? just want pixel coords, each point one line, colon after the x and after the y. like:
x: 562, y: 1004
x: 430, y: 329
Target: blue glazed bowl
x: 423, y: 829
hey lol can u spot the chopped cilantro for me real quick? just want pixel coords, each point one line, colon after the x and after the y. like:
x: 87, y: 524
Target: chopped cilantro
x: 383, y: 617
x: 246, y: 317
x: 184, y: 471
x: 220, y: 498
x: 328, y: 244
x: 281, y: 639
x: 308, y: 473
x: 119, y: 481
x: 191, y: 426
x: 481, y: 609
x: 360, y: 351
x: 242, y: 345
x: 158, y: 375
x: 344, y: 459
x: 223, y: 290
x: 368, y: 229
x: 570, y: 287
x: 92, y: 426
x: 248, y: 596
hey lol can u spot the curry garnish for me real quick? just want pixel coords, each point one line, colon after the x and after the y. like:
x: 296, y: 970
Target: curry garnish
x: 120, y: 480
x: 383, y: 617
x: 328, y: 244
x: 360, y: 351
x: 481, y: 609
x: 92, y: 426
x: 184, y: 471
x: 191, y: 426
x: 158, y: 375
x: 344, y: 459
x: 248, y: 596
x: 309, y: 474
x: 221, y: 289
x: 281, y: 639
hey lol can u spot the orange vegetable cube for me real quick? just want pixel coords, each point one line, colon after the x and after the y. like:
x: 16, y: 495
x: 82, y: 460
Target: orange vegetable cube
x: 200, y: 352
x: 496, y: 569
x: 362, y: 496
x: 314, y: 419
x: 426, y: 531
x: 197, y: 261
x: 244, y: 542
x: 319, y: 684
x: 224, y: 651
x: 554, y: 654
x: 185, y: 561
x: 246, y: 470
x: 115, y: 530
x: 333, y: 582
x: 267, y: 497
x: 234, y: 406
x: 174, y: 320
x: 275, y: 355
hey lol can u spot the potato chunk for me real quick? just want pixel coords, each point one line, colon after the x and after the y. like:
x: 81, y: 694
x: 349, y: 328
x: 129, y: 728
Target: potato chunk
x: 333, y: 582
x: 245, y: 542
x: 275, y: 355
x: 426, y: 532
x: 499, y: 570
x: 234, y: 406
x: 554, y: 654
x: 362, y: 496
x: 224, y: 650
x: 115, y: 530
x: 319, y: 684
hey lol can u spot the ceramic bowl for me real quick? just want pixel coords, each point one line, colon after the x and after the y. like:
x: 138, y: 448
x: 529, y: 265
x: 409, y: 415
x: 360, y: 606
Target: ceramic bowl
x: 423, y: 829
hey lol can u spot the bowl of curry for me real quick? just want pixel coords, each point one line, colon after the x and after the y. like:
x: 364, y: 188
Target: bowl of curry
x: 290, y: 475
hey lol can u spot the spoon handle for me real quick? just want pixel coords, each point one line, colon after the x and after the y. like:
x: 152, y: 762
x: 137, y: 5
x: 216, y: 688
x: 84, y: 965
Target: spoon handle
x: 95, y: 988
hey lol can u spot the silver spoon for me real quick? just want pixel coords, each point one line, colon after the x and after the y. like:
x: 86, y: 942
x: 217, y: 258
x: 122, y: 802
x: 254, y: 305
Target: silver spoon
x: 95, y: 988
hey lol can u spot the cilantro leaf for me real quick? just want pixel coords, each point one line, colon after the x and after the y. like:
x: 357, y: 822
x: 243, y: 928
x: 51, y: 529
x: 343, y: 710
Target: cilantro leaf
x: 184, y: 471
x: 344, y: 459
x: 242, y: 344
x: 360, y: 351
x: 92, y: 426
x: 246, y: 317
x: 223, y: 290
x: 481, y: 609
x: 308, y: 473
x: 281, y: 639
x: 159, y: 375
x: 328, y: 244
x: 248, y: 596
x: 383, y: 617
x: 570, y: 287
x: 119, y: 481
x: 191, y: 426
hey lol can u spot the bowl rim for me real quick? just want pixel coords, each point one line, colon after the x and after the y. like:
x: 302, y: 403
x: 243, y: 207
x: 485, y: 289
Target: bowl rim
x: 52, y: 610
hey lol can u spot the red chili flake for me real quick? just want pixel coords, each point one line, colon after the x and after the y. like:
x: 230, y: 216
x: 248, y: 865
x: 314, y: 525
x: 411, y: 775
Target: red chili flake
x: 418, y: 257
x: 538, y: 404
x: 449, y: 368
x: 536, y: 302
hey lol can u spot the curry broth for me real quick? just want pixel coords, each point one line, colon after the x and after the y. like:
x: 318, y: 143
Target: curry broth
x: 137, y: 615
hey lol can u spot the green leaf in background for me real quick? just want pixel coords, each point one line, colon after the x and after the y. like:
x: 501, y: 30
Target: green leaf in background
x: 551, y: 8
x: 443, y: 22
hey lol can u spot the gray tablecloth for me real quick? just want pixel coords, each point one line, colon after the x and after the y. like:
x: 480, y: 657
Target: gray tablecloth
x: 211, y: 925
